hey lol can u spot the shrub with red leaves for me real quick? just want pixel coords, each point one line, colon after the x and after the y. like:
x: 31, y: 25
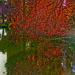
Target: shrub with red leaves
x: 42, y: 18
x: 55, y: 52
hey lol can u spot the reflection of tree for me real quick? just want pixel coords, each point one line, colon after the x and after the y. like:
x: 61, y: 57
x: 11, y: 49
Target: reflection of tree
x: 3, y: 16
x: 43, y: 18
x: 42, y: 24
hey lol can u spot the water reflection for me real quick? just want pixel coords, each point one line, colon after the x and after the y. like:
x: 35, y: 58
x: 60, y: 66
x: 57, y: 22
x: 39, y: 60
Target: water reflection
x: 3, y: 60
x: 2, y: 33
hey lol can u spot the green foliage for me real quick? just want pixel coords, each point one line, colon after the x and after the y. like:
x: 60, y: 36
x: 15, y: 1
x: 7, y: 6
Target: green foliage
x: 2, y: 1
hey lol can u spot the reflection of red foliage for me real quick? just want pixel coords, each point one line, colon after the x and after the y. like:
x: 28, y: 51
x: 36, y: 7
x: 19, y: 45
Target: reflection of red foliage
x: 44, y: 18
x: 56, y: 52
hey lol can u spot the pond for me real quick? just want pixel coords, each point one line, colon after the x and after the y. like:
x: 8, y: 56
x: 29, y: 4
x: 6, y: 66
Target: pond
x: 3, y: 60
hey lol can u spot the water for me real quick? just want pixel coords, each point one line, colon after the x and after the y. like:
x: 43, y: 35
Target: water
x: 1, y: 33
x: 3, y: 60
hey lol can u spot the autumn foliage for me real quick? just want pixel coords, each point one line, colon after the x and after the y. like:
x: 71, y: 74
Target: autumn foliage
x: 40, y: 18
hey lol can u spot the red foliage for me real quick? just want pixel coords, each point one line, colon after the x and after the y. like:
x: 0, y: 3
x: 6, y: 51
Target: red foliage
x: 32, y: 58
x: 44, y: 18
x: 55, y: 52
